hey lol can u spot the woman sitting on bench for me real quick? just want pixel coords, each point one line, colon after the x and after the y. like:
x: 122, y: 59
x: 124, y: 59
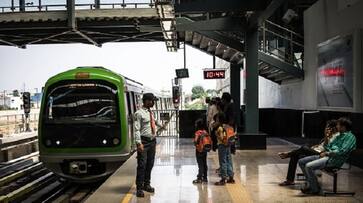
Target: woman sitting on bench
x: 334, y: 155
x: 330, y: 133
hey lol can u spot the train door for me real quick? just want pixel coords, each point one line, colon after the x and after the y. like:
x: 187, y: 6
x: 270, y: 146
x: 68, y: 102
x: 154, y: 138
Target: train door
x: 130, y: 119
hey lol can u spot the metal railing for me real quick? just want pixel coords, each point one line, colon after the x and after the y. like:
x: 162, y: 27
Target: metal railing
x: 281, y: 43
x: 10, y: 124
x: 172, y: 128
x: 39, y: 6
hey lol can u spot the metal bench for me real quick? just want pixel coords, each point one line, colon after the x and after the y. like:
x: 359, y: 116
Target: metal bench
x: 334, y: 173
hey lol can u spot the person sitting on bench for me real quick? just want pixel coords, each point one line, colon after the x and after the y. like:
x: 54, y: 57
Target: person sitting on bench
x: 330, y: 133
x: 334, y: 155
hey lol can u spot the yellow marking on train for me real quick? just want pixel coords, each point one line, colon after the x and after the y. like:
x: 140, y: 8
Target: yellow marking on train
x: 237, y: 191
x: 129, y: 194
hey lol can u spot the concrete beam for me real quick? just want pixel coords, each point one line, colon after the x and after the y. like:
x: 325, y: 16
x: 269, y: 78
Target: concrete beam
x: 79, y: 14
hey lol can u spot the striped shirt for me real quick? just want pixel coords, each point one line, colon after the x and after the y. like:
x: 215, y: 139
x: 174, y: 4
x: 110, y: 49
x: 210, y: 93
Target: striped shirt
x: 339, y: 149
x: 320, y: 147
x: 142, y: 125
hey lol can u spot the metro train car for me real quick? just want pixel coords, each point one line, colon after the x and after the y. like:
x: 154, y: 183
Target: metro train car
x: 86, y: 122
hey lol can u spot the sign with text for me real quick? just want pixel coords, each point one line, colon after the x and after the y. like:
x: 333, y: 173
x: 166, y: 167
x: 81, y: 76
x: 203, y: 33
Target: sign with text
x: 335, y: 73
x: 214, y: 73
x: 182, y: 73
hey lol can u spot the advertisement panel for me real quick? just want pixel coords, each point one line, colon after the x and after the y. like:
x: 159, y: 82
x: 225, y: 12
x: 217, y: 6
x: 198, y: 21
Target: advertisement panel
x: 335, y: 73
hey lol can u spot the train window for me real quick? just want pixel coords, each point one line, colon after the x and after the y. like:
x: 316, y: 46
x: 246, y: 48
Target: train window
x: 133, y: 101
x: 161, y: 103
x: 129, y: 109
x: 81, y: 114
x: 138, y: 101
x: 74, y: 102
x: 157, y: 104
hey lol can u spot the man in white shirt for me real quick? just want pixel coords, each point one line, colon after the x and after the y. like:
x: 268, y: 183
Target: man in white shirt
x: 145, y: 138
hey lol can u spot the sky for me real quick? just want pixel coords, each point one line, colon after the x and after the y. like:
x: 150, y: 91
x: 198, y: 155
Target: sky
x: 146, y: 62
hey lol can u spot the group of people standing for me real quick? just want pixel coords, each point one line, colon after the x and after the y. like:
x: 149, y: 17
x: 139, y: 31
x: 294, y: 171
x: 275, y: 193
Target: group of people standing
x: 333, y: 150
x: 220, y: 126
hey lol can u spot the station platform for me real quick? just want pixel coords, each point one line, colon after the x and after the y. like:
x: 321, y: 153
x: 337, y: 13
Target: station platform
x: 257, y: 174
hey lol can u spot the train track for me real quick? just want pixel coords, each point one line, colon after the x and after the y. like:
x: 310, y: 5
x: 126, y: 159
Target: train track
x: 27, y: 180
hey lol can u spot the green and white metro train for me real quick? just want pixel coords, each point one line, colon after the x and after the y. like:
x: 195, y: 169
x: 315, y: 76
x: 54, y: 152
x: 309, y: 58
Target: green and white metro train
x: 86, y: 122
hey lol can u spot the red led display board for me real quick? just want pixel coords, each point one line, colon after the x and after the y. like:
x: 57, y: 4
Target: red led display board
x: 214, y: 73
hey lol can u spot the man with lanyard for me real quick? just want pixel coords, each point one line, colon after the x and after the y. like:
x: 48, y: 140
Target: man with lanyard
x: 145, y: 137
x: 334, y: 155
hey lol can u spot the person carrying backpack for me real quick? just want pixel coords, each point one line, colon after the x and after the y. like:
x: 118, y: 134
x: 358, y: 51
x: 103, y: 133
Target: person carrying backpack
x: 203, y: 145
x: 226, y: 137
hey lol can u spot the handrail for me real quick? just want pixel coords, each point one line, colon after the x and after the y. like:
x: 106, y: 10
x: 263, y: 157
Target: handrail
x: 47, y: 7
x: 279, y: 26
x: 291, y: 45
x: 279, y: 35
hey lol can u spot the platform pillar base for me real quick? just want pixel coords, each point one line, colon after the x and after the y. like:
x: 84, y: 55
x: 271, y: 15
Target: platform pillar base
x: 252, y: 140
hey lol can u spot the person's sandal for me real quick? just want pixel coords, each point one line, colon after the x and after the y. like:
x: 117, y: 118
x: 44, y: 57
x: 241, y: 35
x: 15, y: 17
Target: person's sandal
x: 283, y: 155
x: 197, y: 181
x: 286, y: 183
x: 231, y: 180
x: 221, y: 182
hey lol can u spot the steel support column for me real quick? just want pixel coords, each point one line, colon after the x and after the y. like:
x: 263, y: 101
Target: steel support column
x: 97, y: 4
x: 71, y: 7
x: 22, y: 5
x: 251, y: 138
x: 252, y: 81
x: 235, y: 81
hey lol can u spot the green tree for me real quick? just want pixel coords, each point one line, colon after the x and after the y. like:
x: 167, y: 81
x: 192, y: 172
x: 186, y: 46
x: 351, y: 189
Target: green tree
x: 198, y: 92
x: 211, y: 92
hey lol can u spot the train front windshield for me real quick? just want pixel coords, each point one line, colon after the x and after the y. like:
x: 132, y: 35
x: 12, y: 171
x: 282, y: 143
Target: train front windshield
x: 81, y: 114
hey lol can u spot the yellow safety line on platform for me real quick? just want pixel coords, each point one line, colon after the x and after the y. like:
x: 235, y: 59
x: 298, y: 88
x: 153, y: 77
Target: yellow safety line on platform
x: 129, y: 195
x: 237, y: 191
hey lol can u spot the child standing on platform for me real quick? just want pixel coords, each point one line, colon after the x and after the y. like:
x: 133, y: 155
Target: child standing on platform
x: 225, y: 136
x: 203, y: 144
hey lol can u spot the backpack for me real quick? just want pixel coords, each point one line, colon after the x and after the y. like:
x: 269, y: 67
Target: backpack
x: 203, y: 142
x: 230, y: 135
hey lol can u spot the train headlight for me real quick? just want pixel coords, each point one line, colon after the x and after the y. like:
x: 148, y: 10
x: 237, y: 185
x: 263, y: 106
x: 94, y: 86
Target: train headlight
x: 48, y: 143
x: 116, y: 141
x: 104, y: 141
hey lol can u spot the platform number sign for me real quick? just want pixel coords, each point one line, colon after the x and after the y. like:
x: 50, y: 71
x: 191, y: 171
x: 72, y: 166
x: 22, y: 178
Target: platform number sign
x: 214, y: 73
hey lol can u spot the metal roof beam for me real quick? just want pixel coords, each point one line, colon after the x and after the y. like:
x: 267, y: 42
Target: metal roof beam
x: 8, y: 43
x: 200, y: 6
x: 87, y: 38
x: 52, y: 36
x: 216, y: 24
x: 259, y: 17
